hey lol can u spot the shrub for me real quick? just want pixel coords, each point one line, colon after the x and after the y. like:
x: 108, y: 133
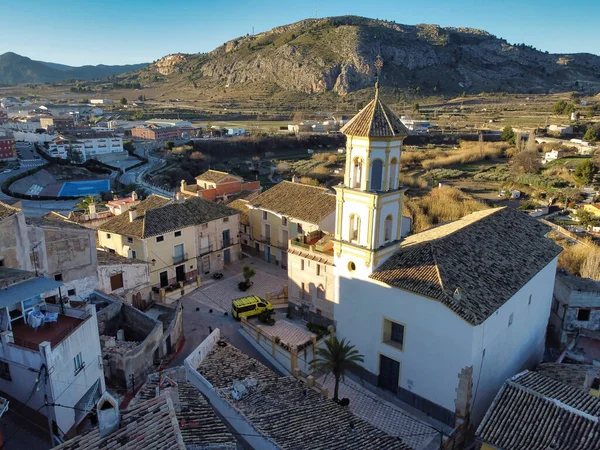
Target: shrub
x: 277, y: 339
x: 319, y: 330
x: 266, y: 317
x: 444, y: 174
x: 344, y: 402
x: 243, y: 286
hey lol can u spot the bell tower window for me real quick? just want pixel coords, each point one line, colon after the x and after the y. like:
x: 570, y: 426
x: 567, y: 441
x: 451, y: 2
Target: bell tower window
x: 387, y: 229
x: 393, y: 174
x: 376, y: 175
x: 354, y: 228
x: 357, y: 167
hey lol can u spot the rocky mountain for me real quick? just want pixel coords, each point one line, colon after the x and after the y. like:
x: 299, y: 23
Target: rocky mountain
x: 337, y: 54
x: 17, y: 69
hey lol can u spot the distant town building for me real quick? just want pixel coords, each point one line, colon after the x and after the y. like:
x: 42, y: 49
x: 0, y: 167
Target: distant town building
x: 561, y: 130
x: 162, y: 133
x: 170, y: 123
x: 120, y: 205
x: 593, y: 208
x: 101, y: 101
x: 57, y: 124
x: 416, y: 125
x: 552, y: 155
x: 217, y: 185
x: 90, y: 144
x: 236, y: 131
x: 7, y: 148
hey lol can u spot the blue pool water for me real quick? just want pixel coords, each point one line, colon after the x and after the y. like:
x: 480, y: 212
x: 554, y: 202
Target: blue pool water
x: 82, y: 188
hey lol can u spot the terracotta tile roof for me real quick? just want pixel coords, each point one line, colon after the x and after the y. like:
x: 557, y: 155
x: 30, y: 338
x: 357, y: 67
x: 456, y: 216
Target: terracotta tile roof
x: 158, y: 215
x: 297, y: 201
x: 151, y: 424
x: 318, y: 423
x: 225, y: 364
x: 199, y: 424
x: 286, y: 411
x: 375, y: 120
x: 7, y: 211
x: 488, y: 255
x: 569, y: 374
x: 532, y: 411
x: 319, y: 258
x: 214, y: 176
x: 242, y: 207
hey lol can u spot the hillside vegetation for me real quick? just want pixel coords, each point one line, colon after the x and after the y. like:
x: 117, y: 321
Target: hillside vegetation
x: 337, y: 55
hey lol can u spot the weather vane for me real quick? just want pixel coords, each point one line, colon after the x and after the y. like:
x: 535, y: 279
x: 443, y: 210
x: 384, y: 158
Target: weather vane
x: 378, y: 66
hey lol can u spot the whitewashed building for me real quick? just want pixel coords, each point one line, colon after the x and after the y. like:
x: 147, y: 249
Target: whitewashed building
x: 444, y: 316
x: 93, y: 145
x: 50, y: 360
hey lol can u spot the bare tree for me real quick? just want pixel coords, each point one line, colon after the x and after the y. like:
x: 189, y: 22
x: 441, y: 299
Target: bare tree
x: 527, y: 161
x: 591, y: 266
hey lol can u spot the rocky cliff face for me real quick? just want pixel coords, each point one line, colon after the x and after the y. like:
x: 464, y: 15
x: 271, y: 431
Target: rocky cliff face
x: 337, y: 54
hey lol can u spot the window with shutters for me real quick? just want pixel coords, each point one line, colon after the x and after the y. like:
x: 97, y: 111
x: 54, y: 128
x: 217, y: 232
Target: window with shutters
x: 116, y: 282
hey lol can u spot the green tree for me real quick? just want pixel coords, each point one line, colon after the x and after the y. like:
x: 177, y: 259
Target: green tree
x: 586, y: 218
x: 123, y: 101
x: 128, y: 146
x: 585, y: 171
x: 337, y: 357
x: 88, y: 200
x: 559, y: 107
x: 169, y: 145
x: 592, y: 134
x: 507, y: 135
x: 248, y: 272
x: 415, y: 107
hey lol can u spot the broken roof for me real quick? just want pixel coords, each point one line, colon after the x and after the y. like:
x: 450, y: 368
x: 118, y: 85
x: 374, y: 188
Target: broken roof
x: 376, y: 120
x: 158, y: 215
x: 532, y: 411
x: 199, y: 424
x: 150, y: 424
x: 297, y: 201
x: 112, y: 259
x: 273, y: 403
x: 488, y: 255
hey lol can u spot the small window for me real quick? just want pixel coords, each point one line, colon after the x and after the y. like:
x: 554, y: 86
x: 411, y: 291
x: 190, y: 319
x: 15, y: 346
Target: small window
x: 318, y: 269
x: 583, y: 315
x: 58, y: 277
x: 300, y: 228
x: 129, y: 240
x: 510, y: 319
x: 78, y: 362
x: 71, y: 292
x: 393, y: 334
x: 225, y: 219
x: 301, y: 264
x: 321, y: 292
x: 177, y: 233
x: 284, y: 221
x: 108, y: 236
x: 264, y: 215
x: 529, y: 302
x: 1, y: 262
x: 160, y: 238
x: 5, y: 371
x: 116, y: 282
x: 351, y: 266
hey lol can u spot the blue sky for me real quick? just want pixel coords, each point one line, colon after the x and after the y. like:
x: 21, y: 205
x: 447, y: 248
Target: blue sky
x: 78, y: 32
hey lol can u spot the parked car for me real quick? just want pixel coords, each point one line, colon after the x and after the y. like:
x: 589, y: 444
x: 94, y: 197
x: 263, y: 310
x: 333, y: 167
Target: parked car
x: 249, y: 307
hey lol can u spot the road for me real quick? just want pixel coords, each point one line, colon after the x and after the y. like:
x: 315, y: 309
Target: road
x: 136, y: 176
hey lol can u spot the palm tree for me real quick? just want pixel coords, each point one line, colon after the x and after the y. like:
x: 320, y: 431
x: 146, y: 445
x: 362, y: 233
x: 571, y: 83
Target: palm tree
x: 337, y: 357
x: 86, y: 201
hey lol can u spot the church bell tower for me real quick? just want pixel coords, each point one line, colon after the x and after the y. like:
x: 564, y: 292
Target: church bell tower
x: 370, y: 201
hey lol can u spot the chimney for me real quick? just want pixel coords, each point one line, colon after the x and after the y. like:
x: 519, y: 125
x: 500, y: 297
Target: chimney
x: 92, y: 209
x: 295, y: 179
x: 457, y: 295
x: 134, y: 196
x: 109, y: 416
x: 120, y: 334
x: 183, y: 185
x: 132, y: 214
x: 115, y: 197
x: 179, y: 197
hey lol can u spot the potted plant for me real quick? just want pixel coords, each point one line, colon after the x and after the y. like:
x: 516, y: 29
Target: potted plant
x: 247, y: 272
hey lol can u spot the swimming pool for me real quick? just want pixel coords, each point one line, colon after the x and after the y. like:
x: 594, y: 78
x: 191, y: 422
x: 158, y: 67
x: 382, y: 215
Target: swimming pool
x: 82, y: 188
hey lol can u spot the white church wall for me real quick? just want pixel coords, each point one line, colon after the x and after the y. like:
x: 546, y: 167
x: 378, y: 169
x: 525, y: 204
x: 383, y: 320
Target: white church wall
x: 437, y: 342
x: 510, y: 349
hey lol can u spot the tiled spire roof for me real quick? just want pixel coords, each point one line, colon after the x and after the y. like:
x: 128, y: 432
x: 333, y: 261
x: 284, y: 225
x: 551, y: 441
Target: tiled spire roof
x: 375, y: 120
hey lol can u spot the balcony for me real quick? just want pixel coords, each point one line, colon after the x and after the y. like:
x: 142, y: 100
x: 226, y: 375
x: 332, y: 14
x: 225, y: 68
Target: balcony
x: 23, y: 335
x: 265, y: 239
x: 177, y: 259
x: 205, y: 250
x: 316, y: 241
